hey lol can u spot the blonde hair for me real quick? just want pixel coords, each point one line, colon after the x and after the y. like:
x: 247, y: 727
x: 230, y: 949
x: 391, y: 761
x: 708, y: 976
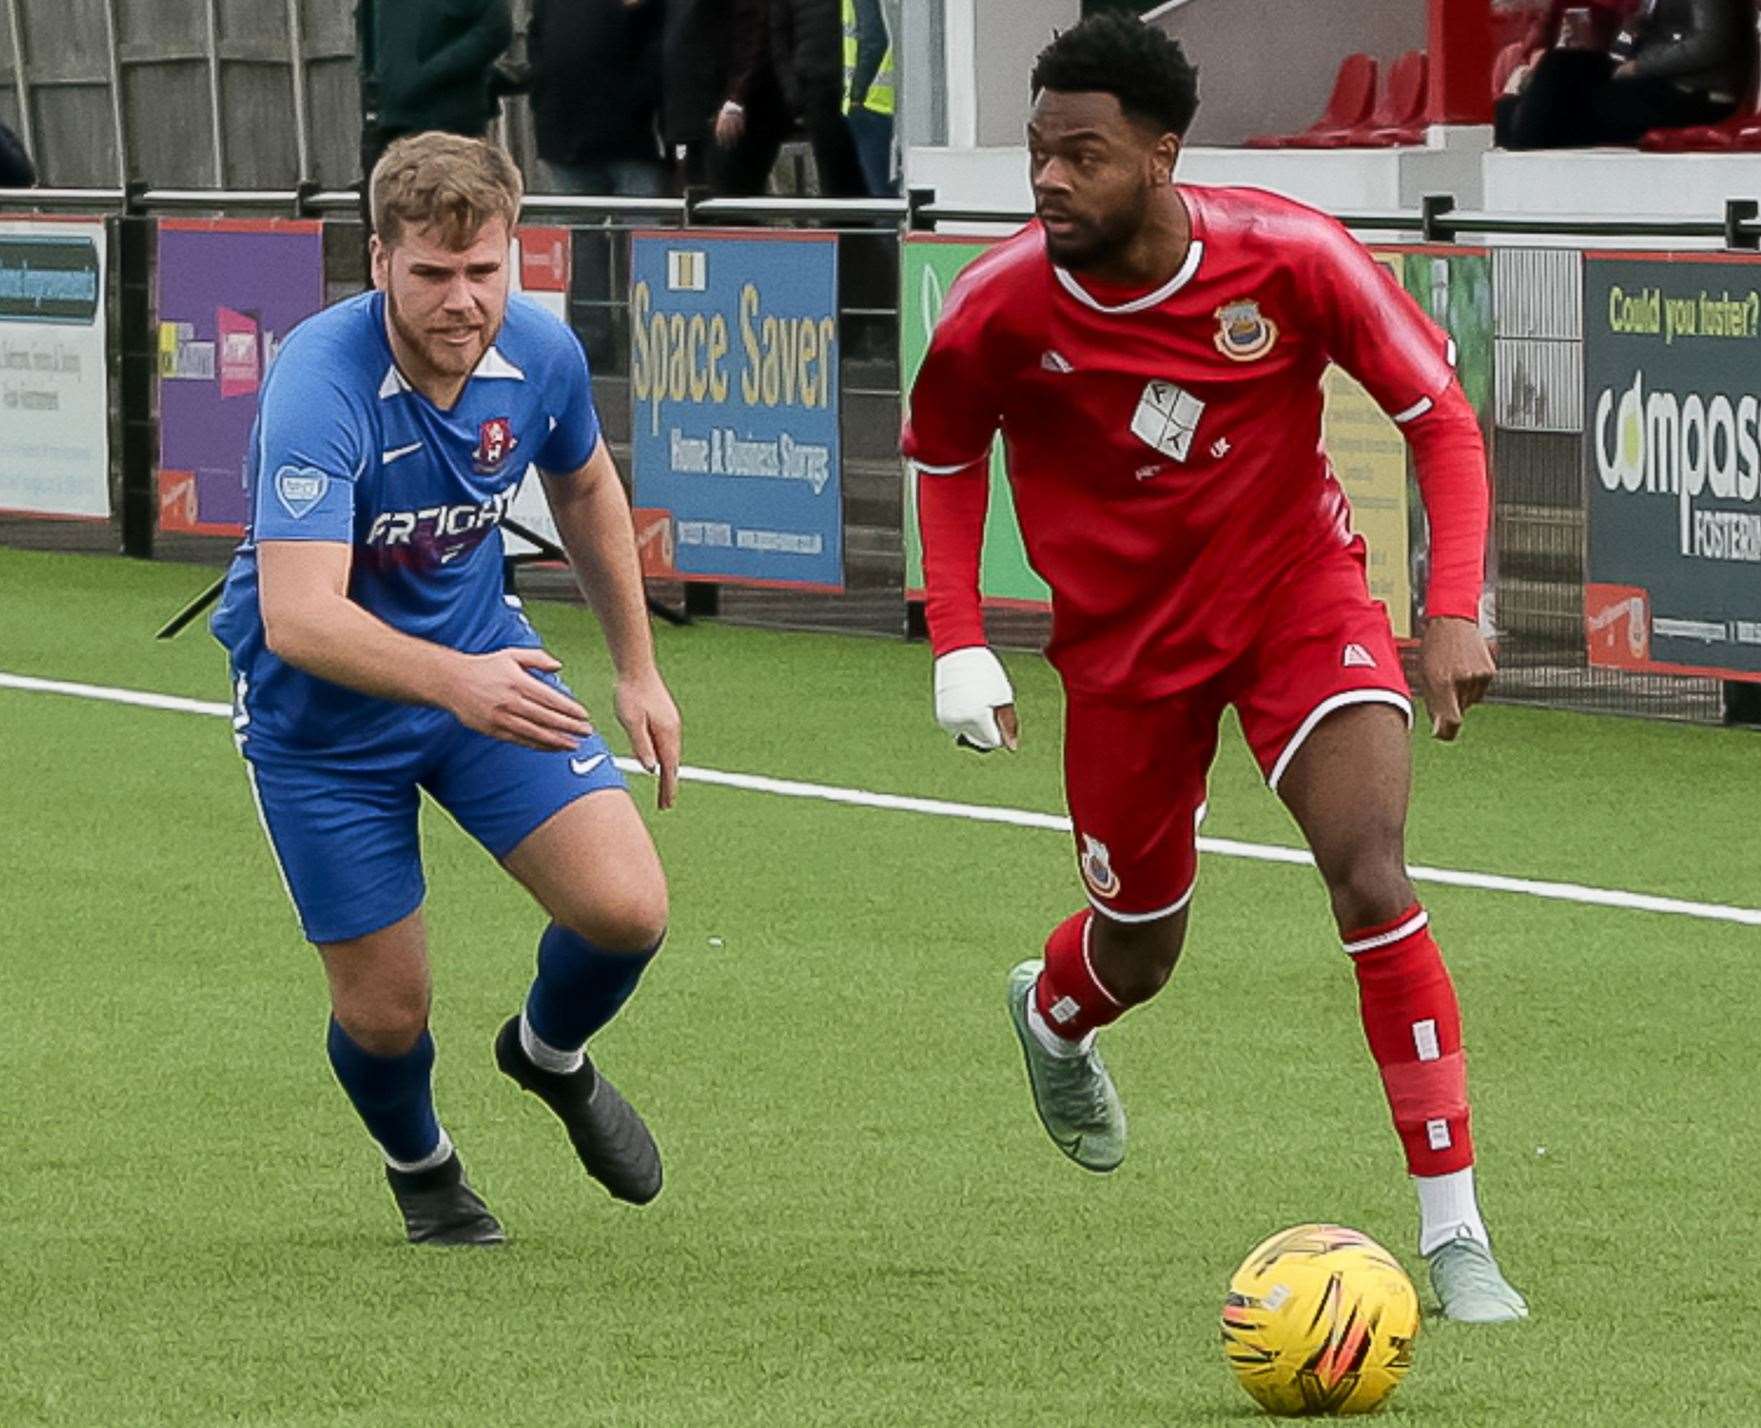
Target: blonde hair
x: 446, y: 182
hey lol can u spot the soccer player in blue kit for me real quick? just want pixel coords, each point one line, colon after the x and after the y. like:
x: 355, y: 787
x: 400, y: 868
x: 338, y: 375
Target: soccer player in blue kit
x: 374, y: 655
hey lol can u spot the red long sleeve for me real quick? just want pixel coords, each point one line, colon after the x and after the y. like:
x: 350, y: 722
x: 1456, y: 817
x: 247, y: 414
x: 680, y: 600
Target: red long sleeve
x: 950, y: 515
x: 1451, y: 460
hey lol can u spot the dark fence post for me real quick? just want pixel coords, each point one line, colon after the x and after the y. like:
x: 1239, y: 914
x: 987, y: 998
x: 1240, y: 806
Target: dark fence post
x: 694, y: 195
x: 1738, y: 214
x: 1742, y: 702
x: 135, y: 236
x: 1434, y: 221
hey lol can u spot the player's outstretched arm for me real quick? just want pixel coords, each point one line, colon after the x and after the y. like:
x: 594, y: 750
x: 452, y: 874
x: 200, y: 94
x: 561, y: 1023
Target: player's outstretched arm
x: 309, y: 621
x: 953, y: 420
x: 593, y: 519
x: 1379, y: 334
x: 1455, y: 664
x: 974, y: 700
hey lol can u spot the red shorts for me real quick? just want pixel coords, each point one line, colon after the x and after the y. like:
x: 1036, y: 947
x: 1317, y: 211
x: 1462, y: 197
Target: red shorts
x: 1134, y: 774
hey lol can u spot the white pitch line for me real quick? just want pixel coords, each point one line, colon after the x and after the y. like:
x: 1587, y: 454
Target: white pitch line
x: 114, y: 696
x: 1015, y: 817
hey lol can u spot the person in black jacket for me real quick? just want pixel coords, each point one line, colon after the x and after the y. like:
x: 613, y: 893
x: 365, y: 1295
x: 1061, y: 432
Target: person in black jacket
x: 16, y: 168
x: 696, y: 47
x: 427, y: 64
x: 1692, y: 63
x: 596, y: 95
x: 1677, y: 63
x: 788, y: 70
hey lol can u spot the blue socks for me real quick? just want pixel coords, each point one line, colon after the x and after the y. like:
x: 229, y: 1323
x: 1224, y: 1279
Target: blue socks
x: 579, y: 987
x: 394, y: 1096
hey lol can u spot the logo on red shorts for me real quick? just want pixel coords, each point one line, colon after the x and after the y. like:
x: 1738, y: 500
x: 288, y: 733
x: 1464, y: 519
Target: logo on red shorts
x: 495, y: 443
x: 1097, y: 868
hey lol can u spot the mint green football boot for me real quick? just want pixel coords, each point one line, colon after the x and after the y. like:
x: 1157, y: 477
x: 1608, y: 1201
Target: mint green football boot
x: 1074, y: 1095
x: 1470, y: 1285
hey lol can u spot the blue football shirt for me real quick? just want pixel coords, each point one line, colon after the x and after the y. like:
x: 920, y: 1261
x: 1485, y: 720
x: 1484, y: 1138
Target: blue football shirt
x: 344, y: 449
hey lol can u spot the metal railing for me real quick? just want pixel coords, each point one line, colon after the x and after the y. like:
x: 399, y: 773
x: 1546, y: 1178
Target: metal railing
x: 1539, y: 508
x: 1436, y: 220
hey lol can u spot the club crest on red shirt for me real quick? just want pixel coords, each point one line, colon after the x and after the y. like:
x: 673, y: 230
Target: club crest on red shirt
x: 495, y: 443
x: 1244, y: 333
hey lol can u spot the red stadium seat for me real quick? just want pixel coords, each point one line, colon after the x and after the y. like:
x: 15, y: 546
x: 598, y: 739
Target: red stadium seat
x: 1353, y: 98
x: 1741, y: 133
x: 1399, y: 116
x: 1409, y: 97
x: 1747, y: 140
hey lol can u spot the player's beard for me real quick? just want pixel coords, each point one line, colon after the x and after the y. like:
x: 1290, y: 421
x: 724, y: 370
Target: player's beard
x: 442, y: 359
x: 1094, y: 242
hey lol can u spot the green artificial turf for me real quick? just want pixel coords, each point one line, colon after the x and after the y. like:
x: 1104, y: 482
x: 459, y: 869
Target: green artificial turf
x: 863, y: 1223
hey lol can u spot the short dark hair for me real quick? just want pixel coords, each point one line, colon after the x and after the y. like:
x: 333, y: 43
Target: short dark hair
x: 1118, y: 54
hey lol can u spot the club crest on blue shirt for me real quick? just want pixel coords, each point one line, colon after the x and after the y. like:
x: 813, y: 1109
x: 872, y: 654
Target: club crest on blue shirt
x: 1244, y: 333
x: 300, y: 488
x: 495, y: 443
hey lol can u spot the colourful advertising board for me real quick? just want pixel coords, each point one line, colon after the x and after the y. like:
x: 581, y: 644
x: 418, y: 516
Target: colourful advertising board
x: 54, y: 368
x: 734, y: 389
x: 230, y: 291
x: 1672, y: 463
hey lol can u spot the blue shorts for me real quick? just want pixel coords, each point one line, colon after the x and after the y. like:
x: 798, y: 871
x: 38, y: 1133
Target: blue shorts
x: 343, y: 824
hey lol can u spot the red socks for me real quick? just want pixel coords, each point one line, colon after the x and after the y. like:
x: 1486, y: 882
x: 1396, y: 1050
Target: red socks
x: 1069, y: 998
x: 1413, y: 1025
x: 1411, y: 1021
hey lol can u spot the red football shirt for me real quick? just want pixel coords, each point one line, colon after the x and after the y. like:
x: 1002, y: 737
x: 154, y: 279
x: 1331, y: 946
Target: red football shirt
x: 1165, y: 449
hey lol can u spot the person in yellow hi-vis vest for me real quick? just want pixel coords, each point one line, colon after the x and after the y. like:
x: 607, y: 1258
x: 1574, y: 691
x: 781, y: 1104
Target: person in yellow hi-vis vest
x: 870, y: 95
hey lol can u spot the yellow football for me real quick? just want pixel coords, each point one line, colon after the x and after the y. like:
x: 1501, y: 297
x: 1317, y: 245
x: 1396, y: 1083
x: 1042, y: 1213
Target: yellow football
x: 1320, y: 1319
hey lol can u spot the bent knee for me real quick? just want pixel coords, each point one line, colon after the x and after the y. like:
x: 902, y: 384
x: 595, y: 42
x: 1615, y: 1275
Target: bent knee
x: 385, y: 1027
x: 1370, y: 889
x: 1139, y: 980
x: 1139, y: 957
x: 632, y: 920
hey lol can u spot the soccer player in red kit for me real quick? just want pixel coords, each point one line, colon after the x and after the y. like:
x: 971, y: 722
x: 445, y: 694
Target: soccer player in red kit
x: 1153, y: 354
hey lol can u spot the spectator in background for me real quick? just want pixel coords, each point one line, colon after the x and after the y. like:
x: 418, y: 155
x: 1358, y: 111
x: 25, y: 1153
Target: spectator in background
x: 870, y: 95
x: 696, y: 43
x: 1676, y: 63
x: 596, y: 67
x: 427, y: 64
x: 788, y: 69
x: 753, y: 119
x: 16, y: 168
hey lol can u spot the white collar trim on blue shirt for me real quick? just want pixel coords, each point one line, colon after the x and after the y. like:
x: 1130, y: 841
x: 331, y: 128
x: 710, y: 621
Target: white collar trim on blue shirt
x: 492, y: 366
x: 495, y: 365
x: 1194, y: 256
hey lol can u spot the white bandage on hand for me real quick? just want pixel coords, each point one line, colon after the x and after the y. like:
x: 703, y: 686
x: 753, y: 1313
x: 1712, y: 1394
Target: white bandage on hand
x: 970, y: 687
